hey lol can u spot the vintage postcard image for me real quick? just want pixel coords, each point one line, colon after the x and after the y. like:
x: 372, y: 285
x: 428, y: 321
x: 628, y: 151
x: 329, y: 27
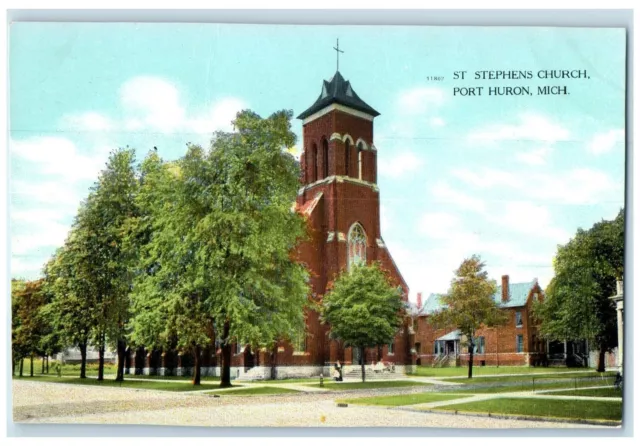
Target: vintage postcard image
x: 261, y: 225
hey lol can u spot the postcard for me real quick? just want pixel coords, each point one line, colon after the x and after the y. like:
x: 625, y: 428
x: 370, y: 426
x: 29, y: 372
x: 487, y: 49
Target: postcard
x: 307, y: 226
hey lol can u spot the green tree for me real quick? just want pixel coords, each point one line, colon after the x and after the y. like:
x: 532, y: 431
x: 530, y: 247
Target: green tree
x: 101, y: 232
x: 72, y: 309
x: 363, y: 309
x: 219, y: 260
x: 577, y: 304
x: 18, y: 350
x: 30, y: 322
x: 469, y: 304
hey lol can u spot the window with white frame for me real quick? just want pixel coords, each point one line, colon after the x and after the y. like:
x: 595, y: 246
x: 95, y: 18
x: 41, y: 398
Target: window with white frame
x: 391, y: 348
x: 357, y: 243
x: 519, y: 344
x: 518, y: 319
x: 239, y: 347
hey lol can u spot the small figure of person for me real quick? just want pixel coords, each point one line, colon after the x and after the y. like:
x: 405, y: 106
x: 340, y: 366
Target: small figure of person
x: 338, y: 371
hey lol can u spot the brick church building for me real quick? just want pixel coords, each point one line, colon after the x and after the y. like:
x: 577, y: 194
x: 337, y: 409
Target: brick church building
x: 340, y: 200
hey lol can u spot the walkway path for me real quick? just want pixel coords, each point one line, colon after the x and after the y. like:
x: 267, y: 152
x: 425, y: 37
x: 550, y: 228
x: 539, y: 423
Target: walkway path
x: 42, y: 402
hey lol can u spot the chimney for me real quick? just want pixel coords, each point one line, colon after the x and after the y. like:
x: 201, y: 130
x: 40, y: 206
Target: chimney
x: 419, y: 301
x: 505, y: 288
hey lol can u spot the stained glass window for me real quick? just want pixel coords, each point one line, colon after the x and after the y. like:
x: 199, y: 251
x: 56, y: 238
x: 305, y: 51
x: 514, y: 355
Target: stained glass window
x: 357, y: 246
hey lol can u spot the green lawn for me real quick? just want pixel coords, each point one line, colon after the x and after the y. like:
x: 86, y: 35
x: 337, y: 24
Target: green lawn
x: 609, y: 392
x: 369, y: 385
x: 530, y: 379
x: 255, y: 390
x: 148, y: 384
x: 524, y: 387
x: 439, y: 372
x: 581, y: 410
x: 67, y: 369
x: 402, y: 400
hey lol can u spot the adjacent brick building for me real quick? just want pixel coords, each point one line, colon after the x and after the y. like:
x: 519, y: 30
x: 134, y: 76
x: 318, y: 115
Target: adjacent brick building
x: 517, y: 342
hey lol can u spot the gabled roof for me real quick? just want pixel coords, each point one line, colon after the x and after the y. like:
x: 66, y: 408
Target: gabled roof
x: 339, y: 91
x: 308, y: 207
x: 518, y: 294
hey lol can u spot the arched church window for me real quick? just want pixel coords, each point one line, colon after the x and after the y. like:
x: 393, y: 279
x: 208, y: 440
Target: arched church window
x: 312, y: 161
x: 360, y: 149
x: 347, y: 156
x: 325, y: 158
x: 357, y: 245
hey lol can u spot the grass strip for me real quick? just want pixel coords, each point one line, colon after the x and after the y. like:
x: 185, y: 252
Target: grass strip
x: 572, y: 409
x: 130, y: 384
x: 435, y: 372
x: 255, y: 390
x: 402, y: 400
x: 369, y: 385
x: 603, y: 392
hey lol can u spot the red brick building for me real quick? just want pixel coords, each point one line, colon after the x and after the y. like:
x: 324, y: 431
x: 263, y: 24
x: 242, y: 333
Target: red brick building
x: 339, y: 198
x: 517, y: 342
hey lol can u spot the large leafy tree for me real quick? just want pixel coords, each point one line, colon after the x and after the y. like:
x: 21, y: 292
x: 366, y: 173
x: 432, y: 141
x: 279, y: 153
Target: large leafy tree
x: 469, y: 304
x: 18, y: 350
x: 100, y: 234
x: 30, y: 323
x: 72, y: 309
x: 219, y: 259
x: 577, y: 304
x: 363, y: 308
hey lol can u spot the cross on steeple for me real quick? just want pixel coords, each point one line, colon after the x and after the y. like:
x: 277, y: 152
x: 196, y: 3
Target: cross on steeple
x: 338, y: 51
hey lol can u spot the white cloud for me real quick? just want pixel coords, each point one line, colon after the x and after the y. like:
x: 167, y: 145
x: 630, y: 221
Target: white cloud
x: 88, y: 121
x: 530, y: 219
x: 25, y: 268
x: 605, y: 142
x: 577, y: 186
x: 531, y: 127
x: 57, y: 156
x: 399, y: 165
x: 536, y: 157
x: 420, y: 100
x: 437, y: 122
x: 217, y: 117
x: 486, y: 177
x: 446, y: 194
x: 439, y: 225
x: 151, y: 103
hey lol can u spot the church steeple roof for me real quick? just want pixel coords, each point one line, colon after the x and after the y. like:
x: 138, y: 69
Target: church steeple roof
x: 338, y: 90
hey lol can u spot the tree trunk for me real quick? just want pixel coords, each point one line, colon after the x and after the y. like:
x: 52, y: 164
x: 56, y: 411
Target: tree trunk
x: 470, y: 374
x: 13, y: 364
x: 21, y: 366
x: 31, y: 365
x: 42, y: 366
x: 122, y: 347
x: 83, y: 360
x: 601, y: 359
x: 47, y: 371
x: 225, y: 379
x: 196, y: 366
x: 274, y: 360
x: 362, y: 351
x: 101, y: 359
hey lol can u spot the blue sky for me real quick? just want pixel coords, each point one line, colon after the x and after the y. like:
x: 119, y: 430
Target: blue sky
x: 506, y: 177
